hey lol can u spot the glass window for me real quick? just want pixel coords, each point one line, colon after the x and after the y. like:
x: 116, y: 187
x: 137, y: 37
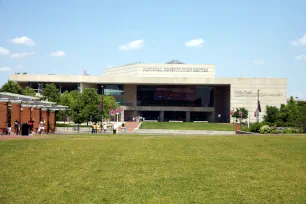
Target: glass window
x: 191, y: 96
x: 111, y: 89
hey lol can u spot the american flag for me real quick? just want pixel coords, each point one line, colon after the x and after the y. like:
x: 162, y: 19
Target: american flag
x: 258, y: 106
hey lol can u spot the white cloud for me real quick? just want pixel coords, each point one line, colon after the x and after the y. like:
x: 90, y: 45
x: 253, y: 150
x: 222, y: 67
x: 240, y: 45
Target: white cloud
x: 195, y: 43
x: 19, y: 55
x: 259, y: 61
x: 136, y: 44
x: 19, y: 66
x: 4, y: 51
x: 300, y: 41
x: 5, y: 69
x: 301, y: 57
x: 58, y: 53
x: 24, y: 40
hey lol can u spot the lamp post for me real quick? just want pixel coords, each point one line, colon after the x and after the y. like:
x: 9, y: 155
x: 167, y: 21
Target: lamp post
x: 60, y: 89
x: 257, y: 111
x: 38, y: 88
x: 102, y: 91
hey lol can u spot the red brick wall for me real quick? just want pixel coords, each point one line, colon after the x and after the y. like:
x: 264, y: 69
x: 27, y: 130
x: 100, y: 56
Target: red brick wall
x: 25, y: 114
x: 15, y: 115
x: 52, y: 121
x: 36, y: 118
x: 3, y: 116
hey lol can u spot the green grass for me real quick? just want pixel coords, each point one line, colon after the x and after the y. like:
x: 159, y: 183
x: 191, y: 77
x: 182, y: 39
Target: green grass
x: 154, y: 169
x: 188, y: 126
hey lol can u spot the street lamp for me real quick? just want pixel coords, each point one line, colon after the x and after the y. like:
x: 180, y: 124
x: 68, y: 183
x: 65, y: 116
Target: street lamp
x: 60, y: 89
x: 38, y: 87
x: 102, y: 92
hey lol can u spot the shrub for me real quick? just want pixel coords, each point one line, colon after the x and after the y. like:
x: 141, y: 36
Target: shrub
x: 255, y: 127
x: 266, y: 129
x: 292, y: 130
x: 123, y: 125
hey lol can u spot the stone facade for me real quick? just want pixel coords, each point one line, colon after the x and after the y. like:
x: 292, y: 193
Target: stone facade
x: 231, y: 93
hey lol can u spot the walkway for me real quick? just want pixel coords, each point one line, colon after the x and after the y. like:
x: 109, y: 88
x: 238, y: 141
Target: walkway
x: 183, y: 132
x: 131, y: 126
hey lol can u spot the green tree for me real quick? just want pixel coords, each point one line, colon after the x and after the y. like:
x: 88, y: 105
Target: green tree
x: 244, y: 115
x: 90, y: 102
x: 29, y: 91
x: 109, y: 103
x: 271, y: 115
x: 11, y: 87
x: 51, y: 93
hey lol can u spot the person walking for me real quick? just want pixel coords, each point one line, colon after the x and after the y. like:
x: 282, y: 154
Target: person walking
x: 41, y: 128
x: 16, y: 126
x: 104, y: 128
x: 93, y: 128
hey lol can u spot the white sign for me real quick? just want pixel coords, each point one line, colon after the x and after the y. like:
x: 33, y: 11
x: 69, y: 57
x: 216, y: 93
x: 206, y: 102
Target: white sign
x: 153, y: 69
x: 254, y: 94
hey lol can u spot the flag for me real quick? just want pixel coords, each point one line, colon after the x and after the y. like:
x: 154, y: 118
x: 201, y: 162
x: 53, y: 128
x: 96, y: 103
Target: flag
x: 101, y: 104
x: 112, y: 112
x: 258, y: 106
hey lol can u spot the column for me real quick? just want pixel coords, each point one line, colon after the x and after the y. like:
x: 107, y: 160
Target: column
x: 52, y: 121
x: 45, y: 117
x: 15, y: 114
x: 36, y: 117
x: 25, y: 113
x: 161, y: 116
x: 187, y: 116
x: 122, y: 116
x: 3, y: 115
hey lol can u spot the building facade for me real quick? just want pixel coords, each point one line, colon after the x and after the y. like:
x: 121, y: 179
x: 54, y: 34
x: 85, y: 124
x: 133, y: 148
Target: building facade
x: 173, y: 91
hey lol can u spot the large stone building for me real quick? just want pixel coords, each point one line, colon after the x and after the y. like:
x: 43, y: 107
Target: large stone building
x: 172, y: 91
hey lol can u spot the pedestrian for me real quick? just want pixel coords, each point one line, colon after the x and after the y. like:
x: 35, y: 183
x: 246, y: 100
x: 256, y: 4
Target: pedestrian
x: 95, y: 127
x: 104, y: 127
x: 31, y: 124
x: 8, y: 129
x: 92, y: 129
x: 16, y: 126
x: 41, y: 128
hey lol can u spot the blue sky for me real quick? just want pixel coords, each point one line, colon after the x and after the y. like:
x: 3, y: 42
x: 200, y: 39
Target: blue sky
x: 262, y: 38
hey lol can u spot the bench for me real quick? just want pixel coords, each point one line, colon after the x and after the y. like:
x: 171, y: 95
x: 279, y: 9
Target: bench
x: 201, y: 121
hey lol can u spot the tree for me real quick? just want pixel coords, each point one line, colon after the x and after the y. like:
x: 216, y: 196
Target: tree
x: 244, y: 115
x: 11, y: 87
x: 51, y: 93
x: 29, y: 91
x: 271, y: 115
x: 109, y: 103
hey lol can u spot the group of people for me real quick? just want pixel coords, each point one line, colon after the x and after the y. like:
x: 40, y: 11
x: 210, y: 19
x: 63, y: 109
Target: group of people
x: 26, y: 128
x: 96, y: 127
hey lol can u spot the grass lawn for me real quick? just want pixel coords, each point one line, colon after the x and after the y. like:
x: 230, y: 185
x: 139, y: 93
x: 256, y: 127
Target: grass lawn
x: 187, y: 126
x: 154, y: 169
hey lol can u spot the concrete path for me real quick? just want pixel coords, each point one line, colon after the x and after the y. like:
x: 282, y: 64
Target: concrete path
x: 182, y: 132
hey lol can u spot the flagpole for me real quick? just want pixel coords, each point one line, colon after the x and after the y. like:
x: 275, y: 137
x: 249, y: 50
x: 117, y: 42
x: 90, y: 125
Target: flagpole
x: 102, y: 104
x: 257, y: 114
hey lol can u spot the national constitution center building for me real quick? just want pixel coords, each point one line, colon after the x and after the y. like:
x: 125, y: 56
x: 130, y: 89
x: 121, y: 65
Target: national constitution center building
x: 172, y: 91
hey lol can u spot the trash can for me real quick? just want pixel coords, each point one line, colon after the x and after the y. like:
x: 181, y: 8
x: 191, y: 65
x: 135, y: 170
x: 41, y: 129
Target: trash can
x: 114, y: 131
x: 25, y: 129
